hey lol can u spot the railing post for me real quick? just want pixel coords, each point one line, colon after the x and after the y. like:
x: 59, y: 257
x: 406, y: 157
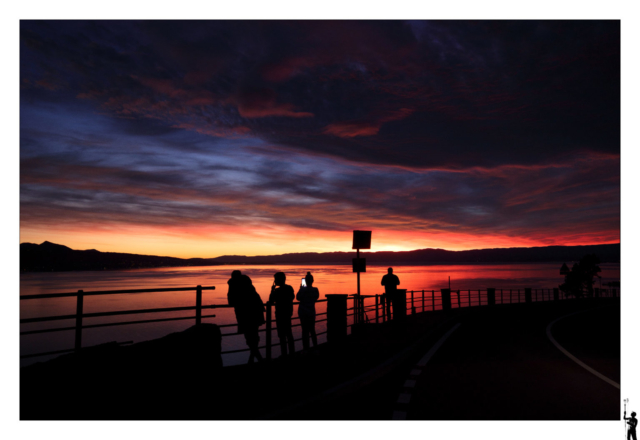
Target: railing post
x: 423, y: 300
x: 501, y: 296
x: 491, y: 296
x: 413, y: 307
x: 556, y: 294
x: 268, y: 331
x: 469, y: 298
x: 445, y: 294
x: 79, y: 307
x: 527, y: 295
x: 433, y: 300
x: 336, y: 317
x: 198, y: 305
x: 510, y: 296
x: 377, y: 310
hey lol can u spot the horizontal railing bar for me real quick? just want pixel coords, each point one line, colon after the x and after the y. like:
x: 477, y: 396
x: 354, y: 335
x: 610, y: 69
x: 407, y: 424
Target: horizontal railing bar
x: 111, y: 324
x: 116, y: 313
x: 112, y: 292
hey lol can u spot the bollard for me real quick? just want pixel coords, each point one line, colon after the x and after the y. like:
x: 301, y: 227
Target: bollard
x: 446, y: 298
x: 527, y: 295
x: 556, y: 294
x: 336, y: 317
x: 491, y: 296
x: 399, y: 302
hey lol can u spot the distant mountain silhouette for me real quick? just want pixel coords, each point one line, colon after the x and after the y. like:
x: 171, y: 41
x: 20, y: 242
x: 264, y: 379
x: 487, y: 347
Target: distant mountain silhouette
x: 51, y: 257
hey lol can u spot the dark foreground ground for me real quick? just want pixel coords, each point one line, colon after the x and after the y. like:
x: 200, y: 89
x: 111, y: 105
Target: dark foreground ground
x: 497, y: 365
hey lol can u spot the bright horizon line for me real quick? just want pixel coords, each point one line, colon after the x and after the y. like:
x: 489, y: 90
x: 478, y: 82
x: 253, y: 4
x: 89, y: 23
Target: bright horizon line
x: 326, y: 252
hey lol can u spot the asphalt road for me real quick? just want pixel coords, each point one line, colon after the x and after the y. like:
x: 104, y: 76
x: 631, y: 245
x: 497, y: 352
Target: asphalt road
x: 500, y: 365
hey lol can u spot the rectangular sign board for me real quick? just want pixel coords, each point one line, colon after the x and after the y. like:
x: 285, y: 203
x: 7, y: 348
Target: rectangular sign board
x: 359, y: 264
x: 361, y: 240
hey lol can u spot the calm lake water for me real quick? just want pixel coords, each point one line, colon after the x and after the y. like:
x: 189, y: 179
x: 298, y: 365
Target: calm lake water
x: 328, y: 279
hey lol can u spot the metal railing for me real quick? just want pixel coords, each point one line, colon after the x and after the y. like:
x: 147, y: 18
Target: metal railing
x: 426, y: 300
x: 419, y: 301
x: 79, y: 316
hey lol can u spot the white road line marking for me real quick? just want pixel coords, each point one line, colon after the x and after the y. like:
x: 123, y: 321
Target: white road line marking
x: 437, y: 345
x: 575, y: 359
x: 405, y: 398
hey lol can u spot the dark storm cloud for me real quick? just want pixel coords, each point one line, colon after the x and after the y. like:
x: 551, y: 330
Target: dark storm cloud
x: 419, y: 94
x: 506, y: 127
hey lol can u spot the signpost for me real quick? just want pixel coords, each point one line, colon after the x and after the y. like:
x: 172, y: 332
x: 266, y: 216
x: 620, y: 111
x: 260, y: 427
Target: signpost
x: 361, y: 240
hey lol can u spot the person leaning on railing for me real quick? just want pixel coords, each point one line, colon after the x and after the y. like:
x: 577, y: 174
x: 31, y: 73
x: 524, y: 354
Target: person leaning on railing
x: 307, y: 296
x: 249, y: 310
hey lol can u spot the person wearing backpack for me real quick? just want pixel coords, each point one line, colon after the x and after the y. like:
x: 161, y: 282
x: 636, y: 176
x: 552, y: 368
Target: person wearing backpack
x: 249, y: 310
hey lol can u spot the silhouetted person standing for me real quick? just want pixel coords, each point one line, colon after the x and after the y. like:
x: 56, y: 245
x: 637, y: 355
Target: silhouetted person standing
x: 249, y: 310
x: 307, y: 296
x: 632, y: 422
x: 390, y: 283
x: 282, y: 296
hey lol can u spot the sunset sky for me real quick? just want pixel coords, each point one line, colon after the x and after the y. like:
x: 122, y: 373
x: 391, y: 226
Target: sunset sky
x: 201, y: 139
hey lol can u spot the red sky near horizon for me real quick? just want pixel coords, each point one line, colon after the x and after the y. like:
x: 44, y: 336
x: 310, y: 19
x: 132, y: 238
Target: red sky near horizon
x: 201, y: 139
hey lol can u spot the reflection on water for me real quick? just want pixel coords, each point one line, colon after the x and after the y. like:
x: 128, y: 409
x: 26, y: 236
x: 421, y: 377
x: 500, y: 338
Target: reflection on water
x: 328, y: 279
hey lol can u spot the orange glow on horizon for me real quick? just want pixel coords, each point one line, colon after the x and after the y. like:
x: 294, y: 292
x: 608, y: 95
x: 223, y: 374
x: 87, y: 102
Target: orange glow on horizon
x: 211, y: 242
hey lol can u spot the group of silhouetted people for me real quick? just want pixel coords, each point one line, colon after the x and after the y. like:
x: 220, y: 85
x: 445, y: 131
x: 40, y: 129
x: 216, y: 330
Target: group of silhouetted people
x: 249, y: 310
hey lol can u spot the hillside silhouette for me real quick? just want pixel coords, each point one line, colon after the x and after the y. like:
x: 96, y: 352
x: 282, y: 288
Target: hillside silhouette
x: 51, y: 257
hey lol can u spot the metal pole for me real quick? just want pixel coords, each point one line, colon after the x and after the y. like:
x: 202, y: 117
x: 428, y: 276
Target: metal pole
x: 357, y: 313
x: 377, y: 312
x: 268, y: 330
x: 433, y: 300
x: 423, y: 300
x: 198, y: 305
x: 79, y: 306
x: 413, y: 308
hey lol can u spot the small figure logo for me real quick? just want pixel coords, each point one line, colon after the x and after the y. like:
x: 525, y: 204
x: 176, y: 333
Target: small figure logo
x: 632, y: 422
